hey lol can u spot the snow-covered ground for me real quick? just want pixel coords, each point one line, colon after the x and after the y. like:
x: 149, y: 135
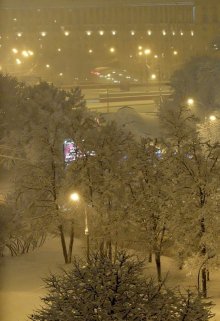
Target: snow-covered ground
x: 22, y: 285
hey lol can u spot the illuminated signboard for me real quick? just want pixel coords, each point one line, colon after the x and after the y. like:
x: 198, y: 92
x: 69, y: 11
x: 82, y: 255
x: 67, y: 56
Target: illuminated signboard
x: 70, y: 151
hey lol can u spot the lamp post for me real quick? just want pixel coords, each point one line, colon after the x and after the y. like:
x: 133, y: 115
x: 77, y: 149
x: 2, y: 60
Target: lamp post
x: 75, y: 197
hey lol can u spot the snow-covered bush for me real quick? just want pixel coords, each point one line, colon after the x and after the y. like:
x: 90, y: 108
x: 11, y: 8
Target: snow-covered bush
x: 106, y: 290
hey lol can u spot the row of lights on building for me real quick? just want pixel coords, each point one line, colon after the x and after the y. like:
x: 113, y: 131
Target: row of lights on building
x: 113, y: 32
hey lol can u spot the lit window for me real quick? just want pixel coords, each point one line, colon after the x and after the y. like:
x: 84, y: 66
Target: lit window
x: 192, y: 33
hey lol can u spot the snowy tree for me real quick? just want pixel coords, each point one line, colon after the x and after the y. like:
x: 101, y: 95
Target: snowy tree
x: 209, y: 128
x: 53, y: 116
x: 196, y: 176
x: 99, y: 178
x: 151, y: 193
x: 106, y: 291
x: 198, y: 78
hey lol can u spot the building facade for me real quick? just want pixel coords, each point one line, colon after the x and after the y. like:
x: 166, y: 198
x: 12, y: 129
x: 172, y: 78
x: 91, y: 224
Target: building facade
x: 69, y: 39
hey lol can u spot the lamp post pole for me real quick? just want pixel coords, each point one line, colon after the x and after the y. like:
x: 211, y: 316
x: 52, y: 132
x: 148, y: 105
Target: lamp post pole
x: 87, y: 235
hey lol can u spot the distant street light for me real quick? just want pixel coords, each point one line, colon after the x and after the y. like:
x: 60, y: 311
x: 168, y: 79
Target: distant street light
x: 14, y: 50
x: 147, y: 51
x: 112, y: 49
x: 43, y: 33
x: 18, y: 61
x: 76, y: 198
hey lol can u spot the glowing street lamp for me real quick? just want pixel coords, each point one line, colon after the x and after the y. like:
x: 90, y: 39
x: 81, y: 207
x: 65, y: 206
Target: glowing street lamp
x: 212, y: 117
x: 25, y: 53
x: 14, y: 50
x: 190, y: 102
x: 90, y: 51
x: 66, y: 33
x: 153, y: 76
x: 19, y: 34
x: 18, y: 61
x: 47, y: 66
x: 112, y: 49
x: 101, y: 32
x: 175, y: 52
x: 43, y: 33
x: 88, y: 32
x: 147, y: 51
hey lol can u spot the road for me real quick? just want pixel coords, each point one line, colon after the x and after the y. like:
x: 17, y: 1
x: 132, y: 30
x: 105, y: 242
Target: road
x: 138, y: 116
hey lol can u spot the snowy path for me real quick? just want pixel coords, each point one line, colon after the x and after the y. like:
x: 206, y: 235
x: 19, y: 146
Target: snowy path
x: 22, y: 285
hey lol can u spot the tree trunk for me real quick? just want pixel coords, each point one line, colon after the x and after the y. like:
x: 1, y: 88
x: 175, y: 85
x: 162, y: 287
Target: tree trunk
x: 180, y: 260
x: 204, y: 282
x: 101, y: 248
x: 116, y: 251
x: 110, y: 250
x: 158, y: 265
x: 208, y: 274
x: 150, y: 256
x: 71, y: 242
x: 63, y: 243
